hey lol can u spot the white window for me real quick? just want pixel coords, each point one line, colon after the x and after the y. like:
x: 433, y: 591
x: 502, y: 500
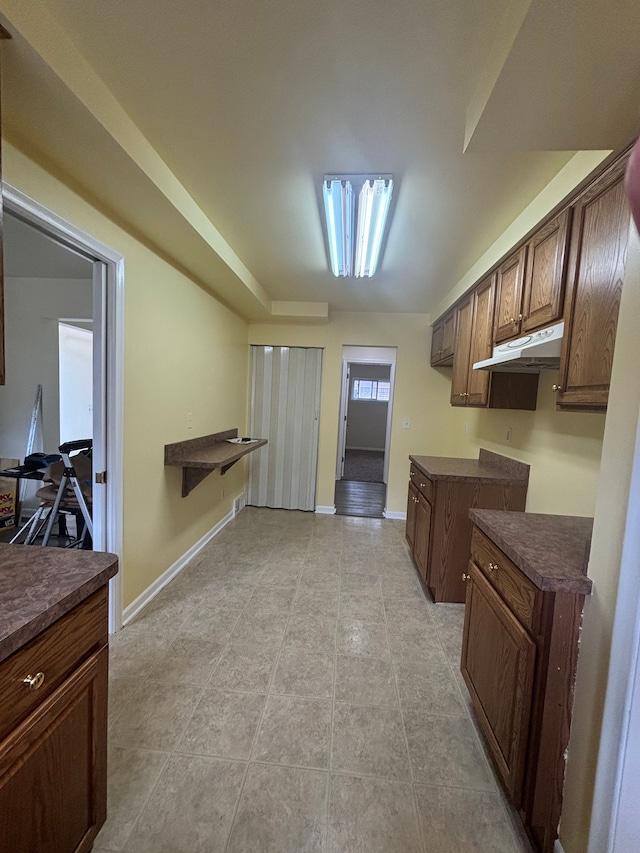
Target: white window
x: 370, y: 389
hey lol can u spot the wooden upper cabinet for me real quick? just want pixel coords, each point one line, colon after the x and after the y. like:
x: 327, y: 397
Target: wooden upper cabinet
x: 481, y: 388
x: 462, y: 353
x: 481, y: 342
x: 443, y: 340
x: 542, y: 301
x: 510, y: 276
x: 597, y: 255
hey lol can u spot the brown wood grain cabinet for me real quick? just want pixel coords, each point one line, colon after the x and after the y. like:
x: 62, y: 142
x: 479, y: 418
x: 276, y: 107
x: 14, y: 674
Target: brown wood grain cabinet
x: 443, y: 340
x: 498, y: 659
x: 530, y: 283
x: 53, y: 736
x: 509, y: 278
x: 519, y: 655
x: 438, y: 530
x: 597, y: 255
x: 544, y: 278
x: 481, y: 388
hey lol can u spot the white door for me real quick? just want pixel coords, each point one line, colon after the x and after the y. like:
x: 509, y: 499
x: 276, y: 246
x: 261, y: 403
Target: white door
x: 285, y: 409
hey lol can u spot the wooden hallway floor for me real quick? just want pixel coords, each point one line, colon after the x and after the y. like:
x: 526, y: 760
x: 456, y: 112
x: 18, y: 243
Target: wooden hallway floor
x: 361, y: 499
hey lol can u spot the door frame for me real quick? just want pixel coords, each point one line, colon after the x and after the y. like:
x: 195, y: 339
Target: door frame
x: 364, y: 355
x: 108, y: 291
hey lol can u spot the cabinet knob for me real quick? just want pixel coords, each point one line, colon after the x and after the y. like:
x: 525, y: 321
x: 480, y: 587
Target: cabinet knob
x: 556, y: 388
x: 519, y: 316
x: 412, y: 473
x: 512, y: 319
x: 493, y: 567
x: 465, y: 577
x: 34, y: 681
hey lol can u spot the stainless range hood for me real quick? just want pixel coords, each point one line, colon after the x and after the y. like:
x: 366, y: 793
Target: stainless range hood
x: 529, y: 354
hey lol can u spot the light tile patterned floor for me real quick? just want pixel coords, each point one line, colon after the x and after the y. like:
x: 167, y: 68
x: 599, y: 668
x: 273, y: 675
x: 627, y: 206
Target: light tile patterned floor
x: 293, y: 691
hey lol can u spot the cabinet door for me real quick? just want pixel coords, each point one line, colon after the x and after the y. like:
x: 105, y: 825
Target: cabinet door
x: 422, y: 536
x: 509, y: 296
x: 597, y: 255
x: 448, y: 335
x: 544, y: 276
x: 498, y: 659
x: 53, y: 768
x: 412, y: 501
x: 443, y: 340
x: 464, y: 320
x: 481, y: 342
x: 436, y: 342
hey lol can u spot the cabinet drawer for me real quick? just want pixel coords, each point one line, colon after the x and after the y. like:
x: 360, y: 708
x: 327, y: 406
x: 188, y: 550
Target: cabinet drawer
x: 516, y: 590
x: 422, y: 483
x: 56, y: 652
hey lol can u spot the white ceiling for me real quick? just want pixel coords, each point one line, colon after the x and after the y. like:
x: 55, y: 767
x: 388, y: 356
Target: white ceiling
x: 249, y: 103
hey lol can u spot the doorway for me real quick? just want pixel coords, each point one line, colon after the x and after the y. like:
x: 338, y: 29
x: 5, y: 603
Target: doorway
x: 104, y: 278
x: 365, y: 430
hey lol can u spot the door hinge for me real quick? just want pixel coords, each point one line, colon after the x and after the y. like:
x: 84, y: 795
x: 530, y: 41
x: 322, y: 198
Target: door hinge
x: 101, y: 478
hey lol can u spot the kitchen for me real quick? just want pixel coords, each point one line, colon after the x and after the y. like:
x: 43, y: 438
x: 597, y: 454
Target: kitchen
x: 563, y: 449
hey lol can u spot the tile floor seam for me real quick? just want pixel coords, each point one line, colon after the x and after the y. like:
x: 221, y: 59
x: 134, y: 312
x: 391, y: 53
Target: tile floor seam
x: 254, y: 741
x: 147, y: 798
x: 333, y: 709
x: 416, y: 809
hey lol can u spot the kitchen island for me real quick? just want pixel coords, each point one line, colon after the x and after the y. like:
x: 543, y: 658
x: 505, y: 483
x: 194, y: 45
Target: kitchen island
x: 53, y: 683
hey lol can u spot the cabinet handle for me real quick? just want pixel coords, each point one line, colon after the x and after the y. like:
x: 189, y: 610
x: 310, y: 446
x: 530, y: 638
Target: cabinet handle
x: 556, y: 388
x: 34, y: 681
x: 493, y: 567
x: 412, y: 473
x: 423, y: 485
x: 519, y: 316
x: 465, y: 577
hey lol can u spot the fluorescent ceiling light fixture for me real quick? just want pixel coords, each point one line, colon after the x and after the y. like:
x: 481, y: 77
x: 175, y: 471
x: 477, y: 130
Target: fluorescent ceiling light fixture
x: 357, y: 254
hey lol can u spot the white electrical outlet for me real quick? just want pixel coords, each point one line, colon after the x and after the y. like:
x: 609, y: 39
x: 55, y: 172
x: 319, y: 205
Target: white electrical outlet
x: 189, y: 420
x: 466, y: 428
x: 406, y: 423
x: 508, y: 436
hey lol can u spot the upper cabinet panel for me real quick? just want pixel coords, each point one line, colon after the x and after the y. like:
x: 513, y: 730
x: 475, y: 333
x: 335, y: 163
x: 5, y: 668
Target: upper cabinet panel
x: 598, y: 250
x: 443, y: 340
x: 543, y: 300
x: 509, y: 296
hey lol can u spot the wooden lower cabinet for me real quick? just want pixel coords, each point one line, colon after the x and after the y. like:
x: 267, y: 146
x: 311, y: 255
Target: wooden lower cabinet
x: 53, y: 762
x: 438, y: 527
x: 498, y: 659
x: 519, y: 655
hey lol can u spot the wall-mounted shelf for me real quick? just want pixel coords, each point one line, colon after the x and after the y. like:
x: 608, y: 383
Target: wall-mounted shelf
x: 198, y: 457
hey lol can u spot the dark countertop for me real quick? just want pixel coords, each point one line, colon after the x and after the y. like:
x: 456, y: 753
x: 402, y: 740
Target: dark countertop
x: 39, y: 585
x: 551, y: 550
x: 488, y: 468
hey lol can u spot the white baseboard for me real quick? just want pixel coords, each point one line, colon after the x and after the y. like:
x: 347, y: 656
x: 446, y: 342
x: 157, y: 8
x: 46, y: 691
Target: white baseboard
x: 151, y: 591
x: 326, y: 510
x: 400, y: 516
x: 557, y: 847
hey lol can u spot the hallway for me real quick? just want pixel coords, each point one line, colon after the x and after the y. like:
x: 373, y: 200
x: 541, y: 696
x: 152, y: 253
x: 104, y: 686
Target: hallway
x: 292, y: 690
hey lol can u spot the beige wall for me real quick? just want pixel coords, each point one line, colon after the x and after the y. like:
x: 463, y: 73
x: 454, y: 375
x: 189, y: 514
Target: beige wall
x: 416, y: 387
x: 184, y: 352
